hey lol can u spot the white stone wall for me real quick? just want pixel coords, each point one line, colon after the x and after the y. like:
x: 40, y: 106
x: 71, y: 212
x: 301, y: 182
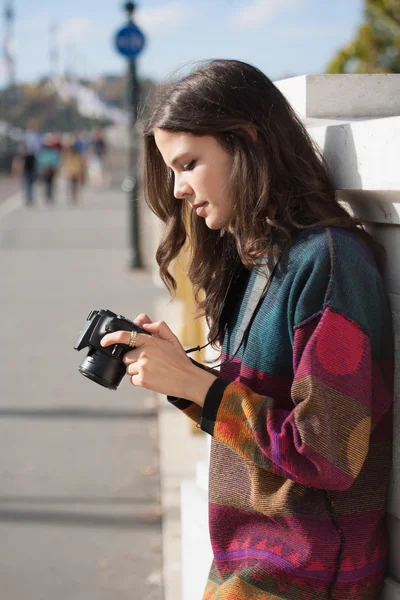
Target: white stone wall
x: 355, y: 120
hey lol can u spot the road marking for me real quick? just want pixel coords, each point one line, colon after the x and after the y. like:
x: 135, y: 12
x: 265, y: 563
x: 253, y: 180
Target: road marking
x: 10, y: 204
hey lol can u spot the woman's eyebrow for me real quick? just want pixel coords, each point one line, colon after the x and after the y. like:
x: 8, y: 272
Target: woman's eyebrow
x: 178, y: 158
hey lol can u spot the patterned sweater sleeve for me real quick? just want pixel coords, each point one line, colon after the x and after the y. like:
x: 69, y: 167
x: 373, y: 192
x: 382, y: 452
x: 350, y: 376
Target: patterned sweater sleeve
x: 323, y: 440
x: 188, y: 408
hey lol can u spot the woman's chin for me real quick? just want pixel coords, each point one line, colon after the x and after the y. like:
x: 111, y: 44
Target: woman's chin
x: 213, y: 223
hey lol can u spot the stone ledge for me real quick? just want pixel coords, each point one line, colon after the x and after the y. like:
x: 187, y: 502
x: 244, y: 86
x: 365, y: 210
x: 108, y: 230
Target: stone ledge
x: 362, y: 154
x: 196, y: 547
x: 372, y: 206
x: 371, y: 95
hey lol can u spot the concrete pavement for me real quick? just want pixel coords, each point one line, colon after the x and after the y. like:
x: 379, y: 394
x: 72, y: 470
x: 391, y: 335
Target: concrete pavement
x: 8, y: 186
x: 80, y: 503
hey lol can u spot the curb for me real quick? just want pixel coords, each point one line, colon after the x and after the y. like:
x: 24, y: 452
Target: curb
x: 180, y: 450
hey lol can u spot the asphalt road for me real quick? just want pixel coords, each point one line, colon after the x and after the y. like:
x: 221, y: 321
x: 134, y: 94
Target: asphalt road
x: 80, y: 515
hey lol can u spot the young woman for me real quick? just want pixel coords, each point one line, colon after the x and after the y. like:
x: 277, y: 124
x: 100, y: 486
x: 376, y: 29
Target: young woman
x: 300, y: 411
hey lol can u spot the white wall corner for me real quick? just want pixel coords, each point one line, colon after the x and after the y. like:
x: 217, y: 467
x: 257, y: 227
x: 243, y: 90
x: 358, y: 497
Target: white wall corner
x: 353, y: 96
x: 361, y: 153
x: 294, y: 89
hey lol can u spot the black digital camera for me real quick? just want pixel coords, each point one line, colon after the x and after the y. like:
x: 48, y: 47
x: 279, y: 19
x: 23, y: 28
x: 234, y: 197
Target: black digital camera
x: 104, y: 365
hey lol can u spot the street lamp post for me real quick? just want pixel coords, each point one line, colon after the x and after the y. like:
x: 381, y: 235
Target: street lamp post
x: 131, y: 184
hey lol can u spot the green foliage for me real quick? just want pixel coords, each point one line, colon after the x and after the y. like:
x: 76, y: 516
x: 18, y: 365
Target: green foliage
x: 376, y: 47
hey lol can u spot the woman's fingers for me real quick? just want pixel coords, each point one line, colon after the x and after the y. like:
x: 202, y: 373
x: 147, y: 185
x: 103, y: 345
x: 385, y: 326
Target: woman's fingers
x: 130, y: 357
x: 123, y: 337
x: 132, y: 369
x: 142, y: 319
x: 159, y: 329
x: 117, y: 337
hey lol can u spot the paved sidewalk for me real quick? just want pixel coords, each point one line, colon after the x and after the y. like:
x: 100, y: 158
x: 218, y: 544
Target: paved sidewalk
x: 80, y: 505
x: 8, y: 186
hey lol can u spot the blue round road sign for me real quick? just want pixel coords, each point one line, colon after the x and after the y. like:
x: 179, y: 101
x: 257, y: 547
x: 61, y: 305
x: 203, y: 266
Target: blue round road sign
x: 130, y: 41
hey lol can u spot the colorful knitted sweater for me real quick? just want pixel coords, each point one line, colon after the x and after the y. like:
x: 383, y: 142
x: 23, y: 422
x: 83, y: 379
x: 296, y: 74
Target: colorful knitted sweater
x: 301, y: 425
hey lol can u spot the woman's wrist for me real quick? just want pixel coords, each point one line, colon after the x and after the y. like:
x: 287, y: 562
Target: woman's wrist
x: 197, y: 385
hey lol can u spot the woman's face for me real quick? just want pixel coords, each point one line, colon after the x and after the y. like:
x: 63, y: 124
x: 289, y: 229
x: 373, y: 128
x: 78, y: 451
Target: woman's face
x: 201, y: 169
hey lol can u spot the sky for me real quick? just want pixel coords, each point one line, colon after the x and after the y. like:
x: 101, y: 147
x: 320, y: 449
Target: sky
x: 283, y: 38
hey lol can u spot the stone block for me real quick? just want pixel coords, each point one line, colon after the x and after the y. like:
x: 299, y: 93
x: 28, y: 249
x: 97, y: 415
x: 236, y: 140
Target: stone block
x: 372, y: 206
x: 394, y: 546
x: 389, y: 237
x: 361, y: 154
x: 196, y: 546
x: 391, y: 590
x: 354, y: 96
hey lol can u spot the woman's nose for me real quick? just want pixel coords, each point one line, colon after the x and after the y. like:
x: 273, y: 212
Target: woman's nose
x: 181, y: 189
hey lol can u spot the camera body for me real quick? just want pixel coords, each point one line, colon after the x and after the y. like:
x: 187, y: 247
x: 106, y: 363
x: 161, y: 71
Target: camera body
x: 104, y: 365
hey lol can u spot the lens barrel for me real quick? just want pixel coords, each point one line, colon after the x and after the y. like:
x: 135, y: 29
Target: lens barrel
x: 103, y: 369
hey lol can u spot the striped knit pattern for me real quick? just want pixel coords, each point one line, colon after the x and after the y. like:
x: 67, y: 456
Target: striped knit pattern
x: 301, y: 425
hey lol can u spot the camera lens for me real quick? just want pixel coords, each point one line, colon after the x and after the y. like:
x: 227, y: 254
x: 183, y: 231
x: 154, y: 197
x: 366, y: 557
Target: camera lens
x: 103, y: 369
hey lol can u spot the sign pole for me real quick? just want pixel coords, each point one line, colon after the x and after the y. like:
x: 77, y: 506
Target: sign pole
x: 130, y: 42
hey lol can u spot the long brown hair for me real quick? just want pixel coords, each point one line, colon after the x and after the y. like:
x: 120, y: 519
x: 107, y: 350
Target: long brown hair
x: 279, y: 183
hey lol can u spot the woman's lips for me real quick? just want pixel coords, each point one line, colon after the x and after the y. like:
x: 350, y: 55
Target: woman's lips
x: 199, y: 207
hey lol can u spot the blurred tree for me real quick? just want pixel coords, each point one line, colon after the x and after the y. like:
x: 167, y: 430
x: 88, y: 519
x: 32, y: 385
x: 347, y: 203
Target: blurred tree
x: 40, y: 104
x: 376, y: 47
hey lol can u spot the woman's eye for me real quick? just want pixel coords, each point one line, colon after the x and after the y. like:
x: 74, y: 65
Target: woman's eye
x: 190, y: 166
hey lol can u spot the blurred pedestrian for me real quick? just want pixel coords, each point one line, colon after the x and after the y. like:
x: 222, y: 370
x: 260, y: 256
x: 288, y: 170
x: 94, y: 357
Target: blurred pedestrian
x: 73, y: 169
x: 55, y: 141
x: 48, y: 164
x: 24, y: 165
x: 97, y: 160
x: 33, y: 139
x: 82, y: 143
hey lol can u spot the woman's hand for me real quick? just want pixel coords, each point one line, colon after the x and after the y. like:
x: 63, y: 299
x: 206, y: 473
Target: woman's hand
x: 159, y: 362
x: 142, y: 319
